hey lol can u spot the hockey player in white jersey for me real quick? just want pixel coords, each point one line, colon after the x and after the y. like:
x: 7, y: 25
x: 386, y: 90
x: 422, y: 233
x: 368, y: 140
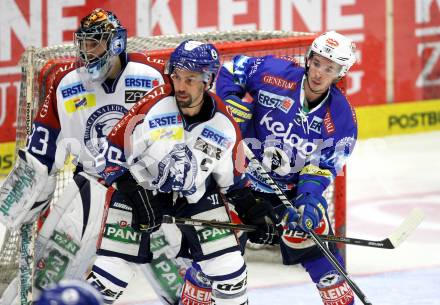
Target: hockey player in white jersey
x: 181, y: 139
x: 83, y: 99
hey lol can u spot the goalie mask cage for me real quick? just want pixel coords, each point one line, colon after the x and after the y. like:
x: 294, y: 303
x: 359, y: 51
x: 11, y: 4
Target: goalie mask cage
x: 35, y: 62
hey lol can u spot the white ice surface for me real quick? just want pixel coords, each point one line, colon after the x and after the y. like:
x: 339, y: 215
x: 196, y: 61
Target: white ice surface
x: 386, y: 177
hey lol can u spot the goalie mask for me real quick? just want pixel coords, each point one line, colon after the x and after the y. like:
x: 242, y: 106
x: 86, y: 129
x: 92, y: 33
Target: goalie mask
x: 70, y: 292
x: 195, y: 56
x: 99, y: 39
x: 335, y: 47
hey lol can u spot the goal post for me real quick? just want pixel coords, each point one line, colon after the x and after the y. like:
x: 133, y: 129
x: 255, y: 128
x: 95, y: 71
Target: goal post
x: 37, y: 62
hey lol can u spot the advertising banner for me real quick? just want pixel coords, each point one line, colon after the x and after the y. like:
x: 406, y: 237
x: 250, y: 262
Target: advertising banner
x: 403, y: 54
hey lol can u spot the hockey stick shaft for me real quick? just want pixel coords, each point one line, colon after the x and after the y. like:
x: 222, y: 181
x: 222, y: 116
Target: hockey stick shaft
x: 327, y: 253
x: 207, y: 223
x: 28, y: 231
x: 382, y: 244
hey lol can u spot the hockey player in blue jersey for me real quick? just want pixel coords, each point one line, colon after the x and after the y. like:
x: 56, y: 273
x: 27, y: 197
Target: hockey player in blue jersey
x: 301, y: 127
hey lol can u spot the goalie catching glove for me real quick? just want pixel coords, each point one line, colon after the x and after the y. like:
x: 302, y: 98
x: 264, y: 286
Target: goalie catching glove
x: 147, y: 212
x: 253, y: 210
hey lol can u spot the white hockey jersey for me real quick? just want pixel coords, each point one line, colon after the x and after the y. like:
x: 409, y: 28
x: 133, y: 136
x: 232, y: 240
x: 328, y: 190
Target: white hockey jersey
x: 164, y: 153
x: 75, y: 118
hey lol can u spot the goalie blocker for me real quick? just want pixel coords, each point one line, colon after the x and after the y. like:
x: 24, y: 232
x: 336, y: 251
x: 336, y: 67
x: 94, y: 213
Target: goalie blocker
x: 25, y: 192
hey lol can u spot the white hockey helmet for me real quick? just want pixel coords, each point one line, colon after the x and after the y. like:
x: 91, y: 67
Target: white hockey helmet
x: 335, y: 47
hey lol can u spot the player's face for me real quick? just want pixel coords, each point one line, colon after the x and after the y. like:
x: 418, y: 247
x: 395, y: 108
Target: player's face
x: 92, y: 48
x: 189, y: 87
x: 322, y: 72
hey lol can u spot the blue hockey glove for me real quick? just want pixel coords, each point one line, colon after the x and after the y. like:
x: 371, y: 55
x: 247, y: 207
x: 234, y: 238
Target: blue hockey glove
x: 290, y: 218
x: 311, y: 209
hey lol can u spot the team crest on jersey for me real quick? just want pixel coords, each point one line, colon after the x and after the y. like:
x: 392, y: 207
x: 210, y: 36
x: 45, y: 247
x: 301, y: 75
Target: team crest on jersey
x: 72, y: 89
x: 213, y: 135
x: 138, y: 81
x: 177, y: 171
x: 273, y: 100
x: 98, y: 126
x: 80, y: 102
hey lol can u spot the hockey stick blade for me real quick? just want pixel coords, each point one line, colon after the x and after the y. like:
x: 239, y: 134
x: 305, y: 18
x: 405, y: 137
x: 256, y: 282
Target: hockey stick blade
x: 401, y: 233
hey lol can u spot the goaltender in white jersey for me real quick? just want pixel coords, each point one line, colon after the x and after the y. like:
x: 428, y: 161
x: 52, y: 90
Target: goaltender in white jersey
x: 83, y: 100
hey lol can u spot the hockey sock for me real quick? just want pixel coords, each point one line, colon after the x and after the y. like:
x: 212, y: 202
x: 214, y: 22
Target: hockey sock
x: 332, y: 287
x: 197, y: 288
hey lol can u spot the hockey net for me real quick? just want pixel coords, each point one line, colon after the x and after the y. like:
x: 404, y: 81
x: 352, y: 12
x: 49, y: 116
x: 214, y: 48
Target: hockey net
x: 35, y: 61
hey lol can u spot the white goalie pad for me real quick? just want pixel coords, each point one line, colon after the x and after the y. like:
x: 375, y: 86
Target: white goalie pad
x: 21, y: 189
x: 63, y: 248
x: 66, y: 245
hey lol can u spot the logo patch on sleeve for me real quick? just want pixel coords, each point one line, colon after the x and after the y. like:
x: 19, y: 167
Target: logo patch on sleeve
x: 80, y: 102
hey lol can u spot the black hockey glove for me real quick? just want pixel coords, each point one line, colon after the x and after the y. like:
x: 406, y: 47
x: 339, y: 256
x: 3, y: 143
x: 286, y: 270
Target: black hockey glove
x: 265, y: 234
x: 253, y: 210
x: 147, y: 212
x: 250, y: 208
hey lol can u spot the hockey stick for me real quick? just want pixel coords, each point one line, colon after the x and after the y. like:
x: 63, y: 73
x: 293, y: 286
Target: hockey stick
x: 409, y: 224
x: 207, y: 223
x: 27, y: 231
x: 318, y: 241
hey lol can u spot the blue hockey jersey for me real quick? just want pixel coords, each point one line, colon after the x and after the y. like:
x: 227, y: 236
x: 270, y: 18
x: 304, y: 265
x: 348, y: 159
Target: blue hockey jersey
x: 302, y: 150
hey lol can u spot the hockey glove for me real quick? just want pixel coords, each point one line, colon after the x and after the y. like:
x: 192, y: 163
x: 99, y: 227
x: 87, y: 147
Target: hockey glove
x: 290, y: 219
x: 311, y: 209
x: 265, y: 234
x: 147, y: 214
x: 252, y: 209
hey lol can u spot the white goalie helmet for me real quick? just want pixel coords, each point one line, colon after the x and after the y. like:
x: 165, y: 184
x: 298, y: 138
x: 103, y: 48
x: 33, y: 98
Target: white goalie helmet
x: 335, y: 47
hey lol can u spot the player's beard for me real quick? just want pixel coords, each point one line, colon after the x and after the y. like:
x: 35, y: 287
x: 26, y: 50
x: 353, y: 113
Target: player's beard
x: 184, y: 103
x: 189, y: 101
